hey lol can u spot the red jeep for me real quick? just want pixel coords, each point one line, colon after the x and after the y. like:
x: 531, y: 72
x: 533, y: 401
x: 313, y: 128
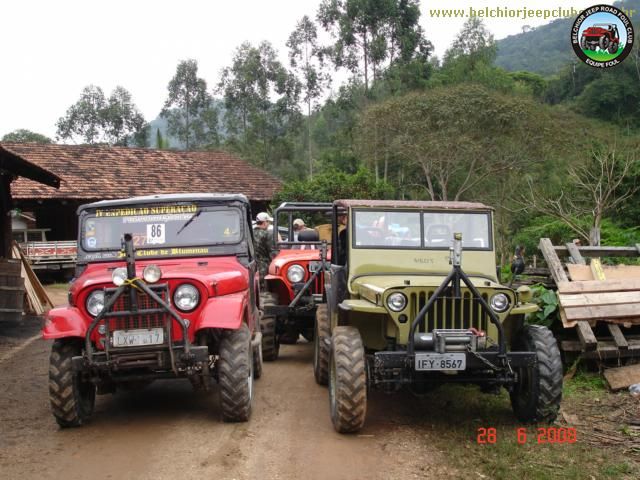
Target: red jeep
x: 603, y: 35
x: 166, y: 287
x: 295, y: 282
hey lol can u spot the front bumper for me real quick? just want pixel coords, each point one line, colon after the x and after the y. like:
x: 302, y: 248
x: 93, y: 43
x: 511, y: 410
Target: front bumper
x: 481, y: 367
x: 152, y: 359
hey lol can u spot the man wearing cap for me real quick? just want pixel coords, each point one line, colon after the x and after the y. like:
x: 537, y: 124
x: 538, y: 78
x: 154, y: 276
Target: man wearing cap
x: 298, y: 226
x: 263, y: 241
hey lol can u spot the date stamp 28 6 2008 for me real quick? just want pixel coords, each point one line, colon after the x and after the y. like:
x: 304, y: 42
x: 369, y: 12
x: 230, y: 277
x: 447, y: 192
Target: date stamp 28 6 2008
x: 523, y: 435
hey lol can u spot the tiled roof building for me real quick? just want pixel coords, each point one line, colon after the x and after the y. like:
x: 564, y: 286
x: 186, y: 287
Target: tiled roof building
x: 88, y: 173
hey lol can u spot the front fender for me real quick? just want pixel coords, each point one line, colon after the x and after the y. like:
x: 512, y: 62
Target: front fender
x: 64, y: 322
x: 226, y: 311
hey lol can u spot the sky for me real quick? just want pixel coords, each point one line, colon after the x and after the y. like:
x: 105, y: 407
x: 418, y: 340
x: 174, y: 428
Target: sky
x: 50, y: 50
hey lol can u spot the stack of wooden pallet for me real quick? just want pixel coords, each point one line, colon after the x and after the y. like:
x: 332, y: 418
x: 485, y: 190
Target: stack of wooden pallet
x: 596, y: 295
x: 37, y: 300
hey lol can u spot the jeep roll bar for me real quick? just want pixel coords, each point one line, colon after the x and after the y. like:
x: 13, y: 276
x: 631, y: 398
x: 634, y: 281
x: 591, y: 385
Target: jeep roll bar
x: 291, y: 207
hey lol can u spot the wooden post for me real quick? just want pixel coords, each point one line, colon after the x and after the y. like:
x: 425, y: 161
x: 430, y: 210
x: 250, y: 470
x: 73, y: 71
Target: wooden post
x: 5, y: 215
x: 577, y: 257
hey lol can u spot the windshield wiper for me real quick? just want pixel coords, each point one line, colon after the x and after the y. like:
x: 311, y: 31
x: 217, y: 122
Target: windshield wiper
x: 188, y: 222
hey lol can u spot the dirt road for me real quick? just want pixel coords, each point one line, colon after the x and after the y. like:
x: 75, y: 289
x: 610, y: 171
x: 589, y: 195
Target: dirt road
x: 168, y: 431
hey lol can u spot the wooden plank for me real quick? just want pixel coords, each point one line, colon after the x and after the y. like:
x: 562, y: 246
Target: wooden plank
x: 596, y: 269
x: 604, y: 311
x: 555, y: 266
x: 592, y: 251
x: 586, y: 336
x: 612, y: 272
x: 622, y: 377
x: 597, y: 286
x: 578, y: 259
x: 596, y: 299
x: 617, y: 336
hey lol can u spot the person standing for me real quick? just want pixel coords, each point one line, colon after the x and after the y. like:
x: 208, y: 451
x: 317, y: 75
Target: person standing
x: 263, y: 242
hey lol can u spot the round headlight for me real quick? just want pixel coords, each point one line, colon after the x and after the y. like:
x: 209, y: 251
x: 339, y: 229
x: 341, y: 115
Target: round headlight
x: 499, y: 302
x: 151, y: 273
x: 295, y: 274
x: 186, y: 297
x: 118, y: 276
x: 396, y: 302
x: 95, y: 302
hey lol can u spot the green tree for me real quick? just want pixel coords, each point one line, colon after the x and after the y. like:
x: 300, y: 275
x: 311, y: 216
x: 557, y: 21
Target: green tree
x: 189, y: 109
x: 162, y: 143
x: 122, y: 120
x: 332, y: 184
x: 307, y: 60
x: 474, y: 42
x: 84, y: 119
x: 94, y: 119
x: 22, y: 135
x: 358, y: 27
x: 261, y: 105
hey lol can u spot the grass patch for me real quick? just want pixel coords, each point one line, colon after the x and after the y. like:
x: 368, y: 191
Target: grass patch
x: 602, y: 56
x: 59, y: 286
x: 507, y: 458
x: 584, y: 382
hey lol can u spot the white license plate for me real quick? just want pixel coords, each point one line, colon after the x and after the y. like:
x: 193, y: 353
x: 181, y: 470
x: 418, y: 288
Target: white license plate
x: 441, y: 361
x: 138, y: 337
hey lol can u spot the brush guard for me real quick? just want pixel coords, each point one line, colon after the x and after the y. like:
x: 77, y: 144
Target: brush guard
x: 180, y: 356
x: 491, y: 366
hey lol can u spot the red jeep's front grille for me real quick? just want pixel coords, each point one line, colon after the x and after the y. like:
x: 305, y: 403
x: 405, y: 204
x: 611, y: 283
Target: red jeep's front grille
x: 149, y: 313
x: 318, y: 284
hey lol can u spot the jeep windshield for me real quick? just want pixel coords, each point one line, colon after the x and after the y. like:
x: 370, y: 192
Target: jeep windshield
x: 160, y: 226
x: 420, y: 230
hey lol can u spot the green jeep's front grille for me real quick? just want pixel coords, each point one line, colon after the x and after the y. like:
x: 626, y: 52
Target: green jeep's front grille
x: 449, y: 312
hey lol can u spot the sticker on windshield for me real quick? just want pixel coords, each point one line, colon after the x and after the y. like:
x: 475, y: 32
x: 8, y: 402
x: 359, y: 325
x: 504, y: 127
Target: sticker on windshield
x: 155, y: 233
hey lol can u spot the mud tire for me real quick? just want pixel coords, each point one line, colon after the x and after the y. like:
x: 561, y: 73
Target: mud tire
x: 347, y: 380
x: 603, y: 43
x: 537, y: 396
x: 613, y: 48
x: 235, y: 374
x: 320, y: 348
x: 268, y: 323
x: 257, y: 362
x: 72, y: 399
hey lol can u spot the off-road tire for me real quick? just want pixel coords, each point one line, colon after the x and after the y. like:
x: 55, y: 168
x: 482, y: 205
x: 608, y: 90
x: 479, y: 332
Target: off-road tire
x: 583, y: 43
x: 347, y: 380
x: 320, y: 347
x: 603, y: 43
x: 72, y: 399
x: 536, y: 397
x: 613, y: 48
x: 257, y: 362
x: 270, y: 344
x: 235, y: 375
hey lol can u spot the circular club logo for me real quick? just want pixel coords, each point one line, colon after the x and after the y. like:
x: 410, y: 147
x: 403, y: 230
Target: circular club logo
x: 602, y: 36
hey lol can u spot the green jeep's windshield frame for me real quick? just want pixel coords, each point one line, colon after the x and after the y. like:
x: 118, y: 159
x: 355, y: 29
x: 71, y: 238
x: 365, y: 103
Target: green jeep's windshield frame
x: 420, y: 229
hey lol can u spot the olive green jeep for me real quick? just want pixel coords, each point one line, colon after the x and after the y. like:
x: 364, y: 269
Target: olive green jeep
x: 413, y: 299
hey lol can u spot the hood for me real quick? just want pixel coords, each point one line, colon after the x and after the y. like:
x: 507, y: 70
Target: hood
x: 288, y: 256
x: 220, y: 275
x: 368, y: 285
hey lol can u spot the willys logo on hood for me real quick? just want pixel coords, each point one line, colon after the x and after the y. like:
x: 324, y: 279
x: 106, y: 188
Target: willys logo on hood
x: 602, y: 36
